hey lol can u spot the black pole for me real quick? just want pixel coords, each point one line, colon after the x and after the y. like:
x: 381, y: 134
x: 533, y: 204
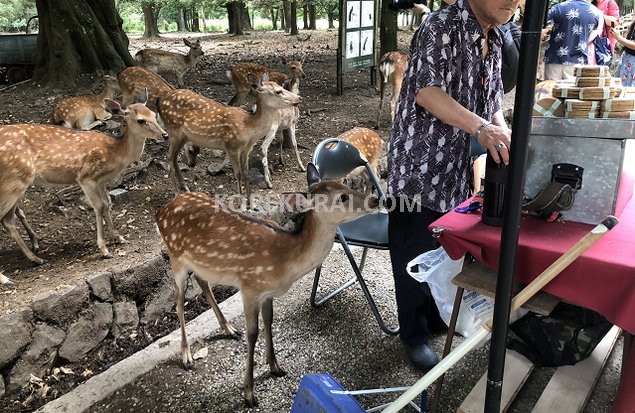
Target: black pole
x: 521, y: 128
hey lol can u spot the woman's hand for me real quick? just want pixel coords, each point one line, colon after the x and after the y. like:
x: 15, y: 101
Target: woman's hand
x: 497, y: 139
x: 616, y: 34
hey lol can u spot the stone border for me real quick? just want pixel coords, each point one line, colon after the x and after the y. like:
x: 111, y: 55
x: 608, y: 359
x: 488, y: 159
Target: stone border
x: 74, y: 319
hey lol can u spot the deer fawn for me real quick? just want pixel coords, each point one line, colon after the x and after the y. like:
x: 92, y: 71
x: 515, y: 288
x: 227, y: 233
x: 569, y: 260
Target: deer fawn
x: 391, y: 66
x: 176, y: 63
x: 239, y: 76
x: 135, y: 81
x: 209, y: 124
x: 288, y: 121
x: 32, y: 153
x: 86, y: 112
x: 370, y: 145
x: 257, y: 256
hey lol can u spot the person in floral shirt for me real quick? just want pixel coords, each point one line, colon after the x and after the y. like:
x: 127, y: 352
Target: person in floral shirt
x: 452, y: 89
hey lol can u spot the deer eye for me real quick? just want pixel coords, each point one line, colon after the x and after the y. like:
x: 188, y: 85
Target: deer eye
x: 343, y: 197
x: 278, y: 92
x: 141, y: 121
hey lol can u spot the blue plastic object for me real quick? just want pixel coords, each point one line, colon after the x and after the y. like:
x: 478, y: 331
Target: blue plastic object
x: 314, y: 396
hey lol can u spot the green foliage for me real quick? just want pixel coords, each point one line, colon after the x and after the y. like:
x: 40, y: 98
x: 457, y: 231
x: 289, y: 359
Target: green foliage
x: 14, y: 14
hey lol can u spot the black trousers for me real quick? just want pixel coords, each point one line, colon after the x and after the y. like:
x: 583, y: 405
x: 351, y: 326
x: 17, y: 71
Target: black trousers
x: 409, y: 237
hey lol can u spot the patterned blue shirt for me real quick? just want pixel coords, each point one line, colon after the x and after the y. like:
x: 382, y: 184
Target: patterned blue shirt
x: 573, y: 21
x: 426, y: 157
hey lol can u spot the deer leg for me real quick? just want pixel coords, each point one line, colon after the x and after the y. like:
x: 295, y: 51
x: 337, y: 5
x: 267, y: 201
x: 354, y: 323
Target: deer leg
x: 235, y: 160
x: 251, y: 308
x: 227, y: 327
x: 179, y: 80
x: 96, y: 201
x: 4, y: 280
x: 106, y: 213
x: 265, y: 149
x: 179, y: 272
x: 8, y: 221
x: 35, y: 247
x: 244, y: 161
x: 382, y: 87
x: 176, y: 143
x: 192, y: 152
x: 294, y: 142
x: 267, y: 319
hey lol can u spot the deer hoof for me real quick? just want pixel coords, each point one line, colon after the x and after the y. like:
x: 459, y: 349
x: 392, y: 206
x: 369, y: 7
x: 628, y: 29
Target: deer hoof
x: 37, y: 261
x: 278, y: 373
x: 251, y: 402
x: 107, y: 255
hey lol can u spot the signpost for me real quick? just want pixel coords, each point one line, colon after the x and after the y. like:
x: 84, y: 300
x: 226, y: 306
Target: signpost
x: 357, y: 46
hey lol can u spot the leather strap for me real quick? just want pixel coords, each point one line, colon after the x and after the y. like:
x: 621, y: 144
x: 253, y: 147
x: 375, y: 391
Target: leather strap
x: 555, y: 196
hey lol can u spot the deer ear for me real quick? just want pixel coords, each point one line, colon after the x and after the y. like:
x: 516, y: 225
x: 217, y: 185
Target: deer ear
x: 143, y: 97
x: 114, y: 107
x: 312, y: 174
x: 187, y: 42
x: 283, y: 60
x: 265, y: 77
x: 253, y: 79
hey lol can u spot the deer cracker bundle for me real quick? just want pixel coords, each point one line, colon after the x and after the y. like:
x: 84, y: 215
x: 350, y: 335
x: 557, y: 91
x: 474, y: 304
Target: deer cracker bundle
x: 581, y: 108
x: 618, y: 105
x: 549, y: 107
x: 599, y: 93
x: 591, y: 71
x: 565, y: 91
x: 619, y: 115
x: 597, y: 81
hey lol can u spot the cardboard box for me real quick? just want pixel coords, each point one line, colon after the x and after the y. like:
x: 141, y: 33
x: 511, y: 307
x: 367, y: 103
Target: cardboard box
x: 605, y: 148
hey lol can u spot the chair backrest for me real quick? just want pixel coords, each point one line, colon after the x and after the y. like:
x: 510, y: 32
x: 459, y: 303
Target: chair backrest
x: 335, y: 158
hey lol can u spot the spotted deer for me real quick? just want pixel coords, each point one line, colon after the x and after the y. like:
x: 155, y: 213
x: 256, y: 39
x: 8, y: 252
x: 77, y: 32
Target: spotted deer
x: 288, y: 121
x: 32, y: 153
x: 391, y: 66
x: 370, y: 146
x: 86, y: 112
x: 213, y: 125
x: 135, y: 81
x: 257, y: 256
x: 170, y: 62
x: 239, y: 76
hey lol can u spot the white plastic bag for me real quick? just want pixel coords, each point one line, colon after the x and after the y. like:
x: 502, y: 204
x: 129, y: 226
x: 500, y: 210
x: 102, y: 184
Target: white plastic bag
x: 437, y: 269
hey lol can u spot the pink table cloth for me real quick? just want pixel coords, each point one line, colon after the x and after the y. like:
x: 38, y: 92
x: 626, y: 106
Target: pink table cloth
x: 602, y: 279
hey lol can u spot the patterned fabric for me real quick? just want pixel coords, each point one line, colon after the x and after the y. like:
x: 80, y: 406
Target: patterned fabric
x: 427, y: 158
x: 626, y: 70
x: 609, y: 8
x: 573, y: 21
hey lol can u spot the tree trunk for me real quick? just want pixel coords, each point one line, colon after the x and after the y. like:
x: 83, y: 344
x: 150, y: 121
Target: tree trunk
x: 387, y: 29
x: 234, y: 17
x: 244, y: 18
x: 312, y: 13
x: 204, y: 19
x: 283, y: 21
x: 78, y: 37
x: 330, y: 14
x: 294, y: 17
x: 305, y: 16
x: 286, y: 7
x: 195, y: 21
x: 274, y: 19
x: 150, y: 17
x: 180, y: 21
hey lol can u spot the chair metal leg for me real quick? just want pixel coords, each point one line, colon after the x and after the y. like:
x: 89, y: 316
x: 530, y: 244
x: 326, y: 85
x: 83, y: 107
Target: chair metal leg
x: 316, y: 280
x: 369, y: 298
x: 434, y: 404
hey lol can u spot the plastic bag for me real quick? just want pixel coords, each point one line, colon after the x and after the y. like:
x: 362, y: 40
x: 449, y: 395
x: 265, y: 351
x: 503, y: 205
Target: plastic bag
x: 437, y: 269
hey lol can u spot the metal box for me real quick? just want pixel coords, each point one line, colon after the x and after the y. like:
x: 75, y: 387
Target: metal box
x: 605, y: 148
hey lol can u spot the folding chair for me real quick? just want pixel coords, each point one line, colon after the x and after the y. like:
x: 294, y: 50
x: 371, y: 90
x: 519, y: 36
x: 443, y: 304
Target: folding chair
x: 335, y: 159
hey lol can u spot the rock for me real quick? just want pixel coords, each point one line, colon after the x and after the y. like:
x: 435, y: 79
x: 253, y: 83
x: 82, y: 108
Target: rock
x: 16, y: 334
x: 100, y: 286
x: 126, y: 318
x: 159, y: 303
x: 140, y: 282
x: 39, y: 357
x: 61, y: 307
x: 87, y: 332
x: 117, y: 192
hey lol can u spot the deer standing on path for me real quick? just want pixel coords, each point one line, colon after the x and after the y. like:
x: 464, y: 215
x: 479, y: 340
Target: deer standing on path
x: 176, y: 63
x: 391, y: 66
x: 288, y: 122
x: 256, y: 256
x: 86, y: 112
x: 239, y: 76
x: 31, y: 153
x: 135, y: 81
x: 216, y: 126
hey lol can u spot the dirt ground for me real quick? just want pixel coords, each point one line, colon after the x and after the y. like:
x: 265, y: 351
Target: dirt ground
x: 66, y: 224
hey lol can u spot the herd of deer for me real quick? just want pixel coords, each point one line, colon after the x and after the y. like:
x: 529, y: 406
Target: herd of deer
x: 220, y: 247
